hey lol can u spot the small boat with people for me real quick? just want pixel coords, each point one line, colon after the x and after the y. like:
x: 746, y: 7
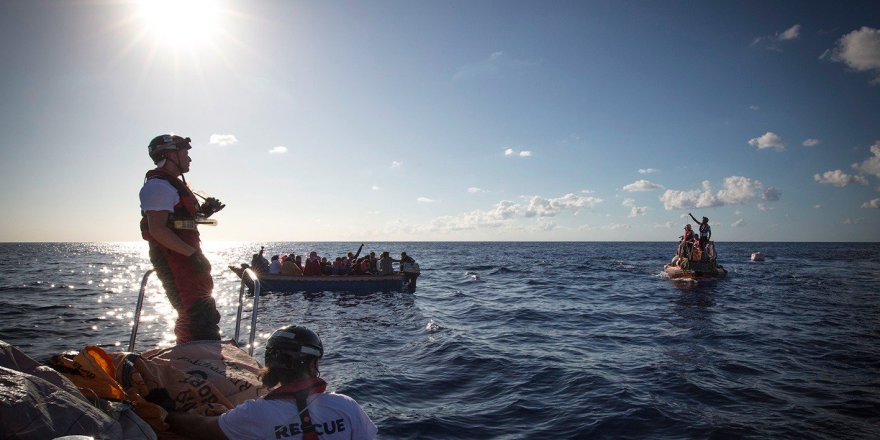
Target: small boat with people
x: 350, y: 273
x: 334, y: 283
x: 757, y: 256
x: 694, y: 259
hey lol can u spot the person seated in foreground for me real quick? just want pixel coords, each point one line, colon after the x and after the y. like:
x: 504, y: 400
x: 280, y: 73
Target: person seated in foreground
x: 275, y: 266
x: 291, y: 268
x: 313, y: 265
x: 299, y: 405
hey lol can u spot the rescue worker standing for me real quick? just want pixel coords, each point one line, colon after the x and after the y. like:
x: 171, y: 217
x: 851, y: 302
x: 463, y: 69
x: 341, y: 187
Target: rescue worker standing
x: 170, y: 212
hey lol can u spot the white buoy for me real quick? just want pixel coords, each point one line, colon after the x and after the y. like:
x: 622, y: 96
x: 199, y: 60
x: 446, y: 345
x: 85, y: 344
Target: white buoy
x: 757, y: 256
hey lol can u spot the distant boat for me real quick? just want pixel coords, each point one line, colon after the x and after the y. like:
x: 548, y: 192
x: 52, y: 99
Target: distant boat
x: 757, y: 256
x: 339, y: 283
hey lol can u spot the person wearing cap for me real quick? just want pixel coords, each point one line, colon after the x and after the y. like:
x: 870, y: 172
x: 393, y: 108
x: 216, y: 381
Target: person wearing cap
x: 298, y: 406
x: 169, y: 214
x: 705, y: 231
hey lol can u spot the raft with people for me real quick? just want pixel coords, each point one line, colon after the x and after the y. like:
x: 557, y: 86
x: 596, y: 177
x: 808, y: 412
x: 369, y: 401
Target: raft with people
x: 332, y: 283
x: 696, y: 264
x: 350, y: 273
x: 695, y: 258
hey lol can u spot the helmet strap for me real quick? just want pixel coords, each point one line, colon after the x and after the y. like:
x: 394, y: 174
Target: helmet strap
x: 176, y: 164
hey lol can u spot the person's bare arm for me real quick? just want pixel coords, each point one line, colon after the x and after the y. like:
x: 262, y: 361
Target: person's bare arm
x: 157, y: 222
x: 196, y: 426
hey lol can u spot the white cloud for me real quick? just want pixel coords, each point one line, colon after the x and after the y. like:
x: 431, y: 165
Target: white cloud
x: 839, y: 179
x: 860, y: 50
x: 790, y: 33
x: 772, y: 42
x: 648, y: 170
x: 736, y: 190
x: 424, y: 200
x: 764, y: 207
x: 642, y: 185
x: 811, y: 142
x: 739, y: 223
x: 635, y: 211
x: 375, y: 188
x: 754, y: 107
x: 873, y: 204
x: 511, y: 152
x: 666, y: 225
x: 852, y: 221
x: 772, y: 194
x: 223, y: 139
x: 871, y: 165
x: 817, y: 206
x: 278, y: 150
x: 506, y: 213
x: 768, y: 140
x: 542, y: 207
x: 474, y: 190
x: 396, y: 164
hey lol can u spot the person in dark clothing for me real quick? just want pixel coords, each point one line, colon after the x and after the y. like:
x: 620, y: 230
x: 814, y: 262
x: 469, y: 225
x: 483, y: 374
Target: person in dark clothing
x: 705, y: 231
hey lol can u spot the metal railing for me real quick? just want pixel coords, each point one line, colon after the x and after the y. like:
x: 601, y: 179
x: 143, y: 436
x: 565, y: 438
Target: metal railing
x: 247, y: 274
x: 137, y: 310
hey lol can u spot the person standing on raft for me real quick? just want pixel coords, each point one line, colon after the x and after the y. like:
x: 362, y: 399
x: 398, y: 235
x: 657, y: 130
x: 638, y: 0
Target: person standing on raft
x: 170, y: 213
x: 705, y: 231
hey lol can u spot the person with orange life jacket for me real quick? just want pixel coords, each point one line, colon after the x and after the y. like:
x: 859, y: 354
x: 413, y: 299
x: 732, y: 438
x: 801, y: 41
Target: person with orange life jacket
x: 170, y: 213
x: 298, y: 408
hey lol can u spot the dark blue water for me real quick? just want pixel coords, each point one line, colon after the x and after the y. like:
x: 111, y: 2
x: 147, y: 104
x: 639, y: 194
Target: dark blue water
x: 516, y: 340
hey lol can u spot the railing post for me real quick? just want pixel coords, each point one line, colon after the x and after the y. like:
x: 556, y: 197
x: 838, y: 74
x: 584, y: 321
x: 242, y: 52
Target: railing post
x: 137, y: 310
x: 248, y: 274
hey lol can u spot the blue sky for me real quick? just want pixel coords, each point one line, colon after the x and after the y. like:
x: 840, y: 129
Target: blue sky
x: 362, y: 121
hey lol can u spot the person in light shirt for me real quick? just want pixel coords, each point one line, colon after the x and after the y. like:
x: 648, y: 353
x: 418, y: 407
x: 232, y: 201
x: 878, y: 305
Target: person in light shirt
x: 170, y: 214
x: 298, y: 408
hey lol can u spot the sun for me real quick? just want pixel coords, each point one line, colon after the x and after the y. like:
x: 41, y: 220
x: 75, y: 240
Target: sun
x: 181, y: 22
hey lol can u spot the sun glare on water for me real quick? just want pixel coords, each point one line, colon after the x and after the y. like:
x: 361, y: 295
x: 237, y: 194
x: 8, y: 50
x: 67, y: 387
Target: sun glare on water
x: 181, y: 22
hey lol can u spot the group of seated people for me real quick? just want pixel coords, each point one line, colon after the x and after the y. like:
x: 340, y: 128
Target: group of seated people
x: 314, y: 265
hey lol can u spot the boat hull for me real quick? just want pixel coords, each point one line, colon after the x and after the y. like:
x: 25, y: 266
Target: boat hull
x: 332, y: 283
x: 680, y: 273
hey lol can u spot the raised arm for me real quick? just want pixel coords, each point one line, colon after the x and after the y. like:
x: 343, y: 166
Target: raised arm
x: 695, y: 219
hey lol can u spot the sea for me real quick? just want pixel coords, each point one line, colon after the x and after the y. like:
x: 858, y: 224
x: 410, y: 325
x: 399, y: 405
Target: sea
x: 516, y: 340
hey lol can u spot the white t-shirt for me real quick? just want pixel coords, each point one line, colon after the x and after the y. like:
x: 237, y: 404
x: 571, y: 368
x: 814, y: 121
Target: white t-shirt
x: 158, y: 195
x: 335, y: 416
